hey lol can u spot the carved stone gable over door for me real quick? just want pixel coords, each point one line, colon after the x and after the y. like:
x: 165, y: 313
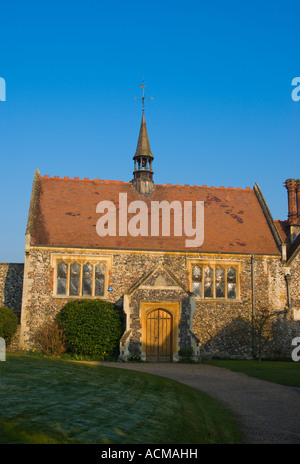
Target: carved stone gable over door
x: 159, y: 316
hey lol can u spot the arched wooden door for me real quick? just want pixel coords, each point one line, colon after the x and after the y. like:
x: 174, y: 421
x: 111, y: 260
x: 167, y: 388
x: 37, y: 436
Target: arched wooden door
x: 159, y: 323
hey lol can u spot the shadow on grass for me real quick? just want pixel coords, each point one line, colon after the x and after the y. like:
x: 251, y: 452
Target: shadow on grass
x: 54, y: 401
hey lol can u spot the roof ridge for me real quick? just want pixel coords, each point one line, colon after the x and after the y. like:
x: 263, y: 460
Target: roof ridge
x: 222, y: 187
x: 85, y: 179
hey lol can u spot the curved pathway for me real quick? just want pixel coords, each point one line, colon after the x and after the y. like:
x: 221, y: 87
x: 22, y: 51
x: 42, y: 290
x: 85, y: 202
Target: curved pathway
x: 266, y: 412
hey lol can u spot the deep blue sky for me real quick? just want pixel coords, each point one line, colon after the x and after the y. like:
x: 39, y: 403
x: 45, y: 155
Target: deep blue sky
x: 220, y: 73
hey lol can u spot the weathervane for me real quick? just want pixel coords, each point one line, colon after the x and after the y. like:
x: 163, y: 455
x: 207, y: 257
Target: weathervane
x: 143, y: 98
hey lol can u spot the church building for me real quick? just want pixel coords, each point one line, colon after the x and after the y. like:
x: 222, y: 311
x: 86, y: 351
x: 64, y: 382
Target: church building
x: 191, y: 266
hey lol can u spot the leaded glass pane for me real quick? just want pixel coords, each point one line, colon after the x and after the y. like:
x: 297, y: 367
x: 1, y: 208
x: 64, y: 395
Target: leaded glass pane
x: 61, y: 286
x: 99, y: 280
x: 231, y: 275
x: 196, y: 272
x: 231, y: 291
x: 197, y: 279
x: 220, y: 283
x: 62, y: 271
x: 87, y: 279
x: 197, y: 288
x: 74, y: 279
x: 208, y: 282
x: 99, y: 270
x: 231, y: 283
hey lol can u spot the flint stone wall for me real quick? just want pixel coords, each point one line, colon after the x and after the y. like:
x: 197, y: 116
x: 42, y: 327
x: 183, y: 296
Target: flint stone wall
x: 222, y: 327
x: 11, y: 286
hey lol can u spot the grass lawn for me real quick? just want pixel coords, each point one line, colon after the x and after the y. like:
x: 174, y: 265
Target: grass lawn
x: 282, y: 372
x: 53, y: 401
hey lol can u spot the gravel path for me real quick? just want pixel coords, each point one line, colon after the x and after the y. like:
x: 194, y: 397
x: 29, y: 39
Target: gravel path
x: 266, y: 412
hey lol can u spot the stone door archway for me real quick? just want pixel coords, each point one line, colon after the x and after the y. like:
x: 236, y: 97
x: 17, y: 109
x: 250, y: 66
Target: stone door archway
x: 159, y: 330
x: 159, y: 335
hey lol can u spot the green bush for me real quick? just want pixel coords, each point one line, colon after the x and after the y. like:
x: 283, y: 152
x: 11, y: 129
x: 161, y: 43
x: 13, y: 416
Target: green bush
x: 91, y: 327
x: 8, y: 324
x: 50, y: 339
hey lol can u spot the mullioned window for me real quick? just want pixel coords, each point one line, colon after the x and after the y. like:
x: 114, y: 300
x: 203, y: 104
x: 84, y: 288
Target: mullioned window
x: 215, y: 281
x: 77, y: 278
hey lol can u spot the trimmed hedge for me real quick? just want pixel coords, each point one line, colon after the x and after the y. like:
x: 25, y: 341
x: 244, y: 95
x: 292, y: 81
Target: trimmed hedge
x: 8, y: 324
x: 91, y: 327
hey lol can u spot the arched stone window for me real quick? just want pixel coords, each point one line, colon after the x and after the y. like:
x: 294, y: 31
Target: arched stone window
x: 197, y: 280
x: 231, y: 283
x: 74, y: 279
x: 220, y: 282
x: 208, y: 282
x: 62, y: 275
x: 87, y: 276
x: 99, y: 279
x: 215, y: 279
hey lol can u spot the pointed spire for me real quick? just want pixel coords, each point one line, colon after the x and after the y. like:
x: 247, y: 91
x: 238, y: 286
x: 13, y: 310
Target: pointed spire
x: 143, y: 174
x: 143, y: 146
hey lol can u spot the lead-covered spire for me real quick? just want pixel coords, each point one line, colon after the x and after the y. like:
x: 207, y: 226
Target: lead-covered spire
x: 143, y: 146
x: 143, y: 173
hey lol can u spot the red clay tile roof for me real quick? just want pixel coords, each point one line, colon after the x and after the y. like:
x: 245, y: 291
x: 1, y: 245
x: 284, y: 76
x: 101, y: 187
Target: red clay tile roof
x: 66, y: 216
x: 283, y: 229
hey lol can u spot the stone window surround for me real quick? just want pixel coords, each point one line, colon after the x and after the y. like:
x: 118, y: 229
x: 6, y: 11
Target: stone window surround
x: 214, y: 263
x: 56, y: 258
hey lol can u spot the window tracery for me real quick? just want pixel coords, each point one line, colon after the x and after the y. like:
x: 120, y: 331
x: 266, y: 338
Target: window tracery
x: 214, y: 281
x: 80, y: 278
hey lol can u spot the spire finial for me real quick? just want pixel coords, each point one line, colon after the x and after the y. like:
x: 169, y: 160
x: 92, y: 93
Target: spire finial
x: 143, y: 98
